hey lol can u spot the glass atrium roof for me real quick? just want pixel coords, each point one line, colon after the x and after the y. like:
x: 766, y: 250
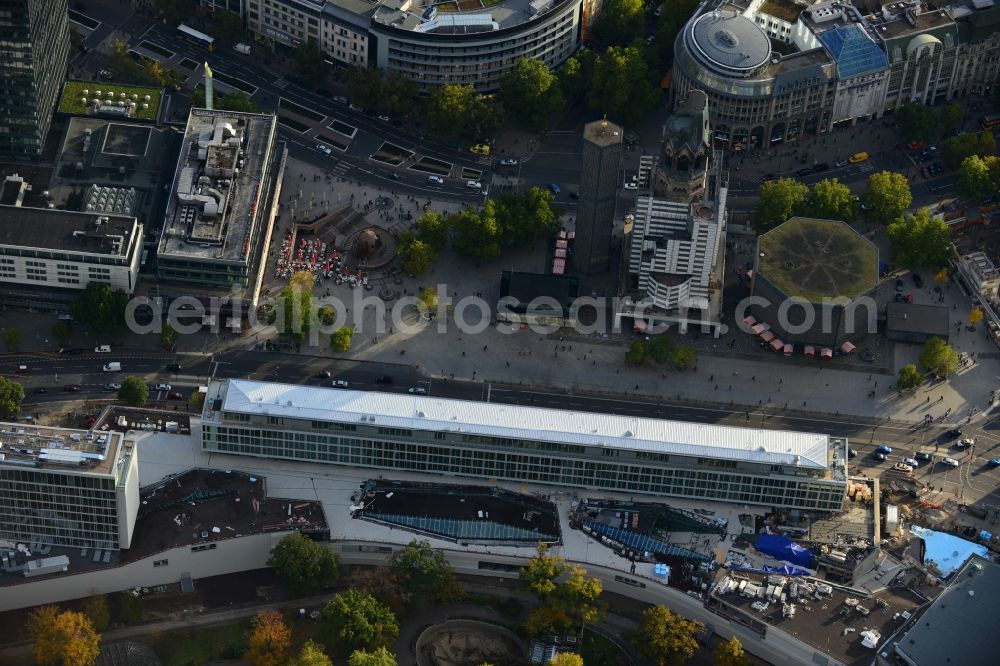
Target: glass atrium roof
x: 854, y: 51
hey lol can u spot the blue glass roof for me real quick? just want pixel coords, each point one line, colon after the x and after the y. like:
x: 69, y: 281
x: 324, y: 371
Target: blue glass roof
x: 485, y: 530
x: 640, y: 541
x: 854, y: 51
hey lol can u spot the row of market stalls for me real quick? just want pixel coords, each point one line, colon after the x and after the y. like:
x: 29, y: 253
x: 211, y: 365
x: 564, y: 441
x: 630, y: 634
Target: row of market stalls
x: 561, y: 251
x: 767, y: 337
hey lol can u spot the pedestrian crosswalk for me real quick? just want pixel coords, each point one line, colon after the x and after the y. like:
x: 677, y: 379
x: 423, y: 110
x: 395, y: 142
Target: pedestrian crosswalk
x: 281, y: 84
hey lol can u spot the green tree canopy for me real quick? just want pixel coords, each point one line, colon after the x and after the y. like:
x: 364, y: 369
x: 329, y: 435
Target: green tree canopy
x: 168, y: 336
x: 954, y: 149
x: 63, y: 332
x: 621, y: 86
x: 977, y: 176
x: 378, y: 657
x: 311, y: 654
x: 432, y: 228
x: 309, y: 62
x: 683, y: 357
x: 525, y: 218
x: 673, y: 16
x: 364, y: 86
x: 659, y: 348
x: 920, y: 241
x: 297, y: 309
x: 134, y: 391
x: 531, y: 93
x: 639, y: 350
x: 667, y: 638
x: 456, y: 110
x: 619, y: 22
x: 779, y: 200
x: 569, y: 597
x: 916, y: 122
x: 888, y: 195
x: 938, y: 358
x: 11, y: 397
x: 950, y: 118
x: 477, y: 235
x: 910, y: 377
x: 416, y: 255
x: 96, y: 610
x: 100, y: 308
x: 304, y: 565
x: 575, y: 75
x: 11, y: 338
x: 340, y: 340
x: 357, y: 620
x: 829, y: 199
x: 423, y: 574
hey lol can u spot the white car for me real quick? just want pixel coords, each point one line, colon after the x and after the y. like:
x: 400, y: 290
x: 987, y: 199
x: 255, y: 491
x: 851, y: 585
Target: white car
x: 103, y: 349
x: 383, y: 118
x: 508, y: 162
x: 474, y: 185
x: 339, y: 383
x: 435, y: 180
x: 903, y: 467
x: 911, y: 462
x: 325, y: 149
x: 631, y: 185
x: 112, y: 386
x: 418, y: 390
x: 950, y: 462
x: 964, y: 443
x: 162, y: 387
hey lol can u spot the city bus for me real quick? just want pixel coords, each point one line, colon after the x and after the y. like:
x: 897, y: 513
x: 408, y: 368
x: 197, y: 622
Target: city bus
x: 990, y: 121
x: 195, y: 37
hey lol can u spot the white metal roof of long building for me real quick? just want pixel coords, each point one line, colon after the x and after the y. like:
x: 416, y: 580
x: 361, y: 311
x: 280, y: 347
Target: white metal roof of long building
x: 394, y: 410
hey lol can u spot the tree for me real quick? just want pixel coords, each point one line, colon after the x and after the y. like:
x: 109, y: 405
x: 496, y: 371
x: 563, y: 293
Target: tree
x: 920, y: 241
x: 976, y: 176
x: 673, y: 16
x: 167, y: 336
x: 731, y: 653
x: 938, y: 358
x: 954, y: 149
x: 829, y: 199
x: 432, y: 228
x: 456, y: 110
x: 311, y: 655
x: 659, y: 348
x: 888, y: 195
x: 196, y: 401
x: 916, y: 122
x: 304, y: 565
x: 525, y: 218
x: 379, y: 657
x: 542, y: 571
x: 779, y: 199
x: 531, y: 93
x: 667, y: 638
x: 683, y: 357
x: 96, y: 610
x: 548, y: 619
x: 309, y: 62
x: 269, y: 640
x: 64, y: 638
x: 942, y: 276
x: 297, y: 307
x: 975, y: 316
x: 566, y: 659
x: 620, y: 22
x: 129, y: 608
x: 415, y: 255
x: 620, y: 87
x: 11, y: 397
x: 950, y: 118
x: 63, y: 332
x: 340, y: 340
x: 227, y: 26
x: 566, y: 604
x: 637, y: 353
x: 11, y: 338
x: 364, y: 86
x: 357, y: 620
x: 575, y: 75
x: 399, y: 96
x: 134, y: 391
x: 909, y: 377
x: 428, y: 299
x: 477, y: 235
x: 424, y: 573
x: 580, y: 595
x: 100, y: 308
x: 327, y: 315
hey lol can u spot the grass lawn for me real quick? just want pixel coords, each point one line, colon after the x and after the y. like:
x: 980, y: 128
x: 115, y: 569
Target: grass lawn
x: 597, y: 650
x: 73, y: 93
x: 201, y: 646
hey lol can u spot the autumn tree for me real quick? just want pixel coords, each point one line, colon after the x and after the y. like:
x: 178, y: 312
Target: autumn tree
x: 938, y: 358
x: 778, y: 201
x: 888, y: 196
x: 378, y: 657
x: 565, y: 659
x: 269, y: 640
x: 975, y: 316
x: 909, y: 377
x: 568, y: 596
x: 357, y: 620
x: 731, y: 653
x: 942, y: 276
x: 303, y: 564
x: 666, y: 637
x: 62, y: 638
x: 311, y: 654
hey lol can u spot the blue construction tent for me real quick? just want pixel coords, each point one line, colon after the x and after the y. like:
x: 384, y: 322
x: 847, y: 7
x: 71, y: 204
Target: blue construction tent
x: 784, y: 549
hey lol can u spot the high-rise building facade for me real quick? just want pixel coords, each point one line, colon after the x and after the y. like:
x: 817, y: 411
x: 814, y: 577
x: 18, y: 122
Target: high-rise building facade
x: 34, y: 40
x: 602, y: 152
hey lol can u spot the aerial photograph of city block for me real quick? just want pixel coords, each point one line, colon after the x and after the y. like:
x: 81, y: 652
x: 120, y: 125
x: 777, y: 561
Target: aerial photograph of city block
x: 499, y: 332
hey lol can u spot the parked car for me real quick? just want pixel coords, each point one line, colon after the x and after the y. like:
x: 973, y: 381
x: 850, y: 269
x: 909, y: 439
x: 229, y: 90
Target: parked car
x: 880, y: 456
x: 912, y: 462
x: 323, y: 374
x: 474, y: 185
x: 175, y: 395
x: 112, y: 386
x: 902, y: 467
x: 418, y: 390
x: 508, y: 162
x: 173, y: 367
x: 554, y: 188
x: 802, y: 173
x: 923, y: 457
x: 882, y: 448
x: 631, y: 185
x: 339, y: 383
x: 840, y: 163
x: 917, y: 280
x: 954, y: 433
x: 71, y: 388
x: 965, y: 443
x: 993, y: 462
x: 479, y: 149
x: 821, y: 167
x: 908, y: 298
x: 384, y: 118
x: 899, y: 285
x: 340, y: 99
x: 20, y: 369
x: 73, y: 351
x: 950, y: 462
x: 103, y: 349
x: 899, y: 297
x: 161, y: 387
x: 851, y: 453
x: 325, y: 149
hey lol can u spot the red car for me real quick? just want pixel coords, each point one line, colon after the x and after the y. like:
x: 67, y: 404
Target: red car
x: 175, y: 395
x: 20, y: 369
x: 71, y: 388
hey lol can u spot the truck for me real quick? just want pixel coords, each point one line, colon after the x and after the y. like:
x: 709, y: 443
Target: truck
x: 242, y: 48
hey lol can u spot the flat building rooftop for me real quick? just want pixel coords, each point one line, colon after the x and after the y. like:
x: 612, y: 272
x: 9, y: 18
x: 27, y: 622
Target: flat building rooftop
x: 70, y: 231
x: 58, y: 449
x: 218, y: 185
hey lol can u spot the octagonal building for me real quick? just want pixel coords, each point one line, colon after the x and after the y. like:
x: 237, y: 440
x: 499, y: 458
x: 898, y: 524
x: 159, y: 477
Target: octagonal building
x: 815, y: 281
